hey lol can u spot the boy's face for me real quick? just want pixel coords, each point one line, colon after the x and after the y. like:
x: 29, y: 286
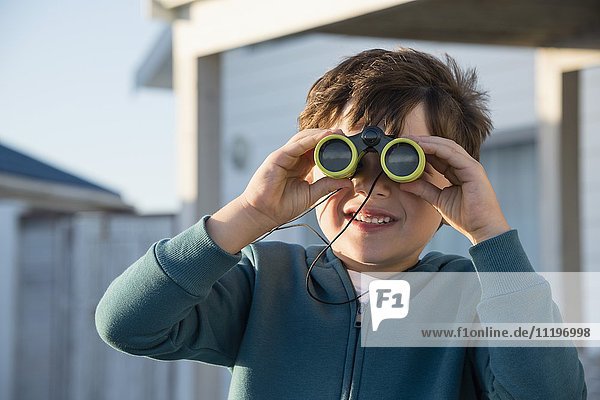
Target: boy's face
x: 389, y: 246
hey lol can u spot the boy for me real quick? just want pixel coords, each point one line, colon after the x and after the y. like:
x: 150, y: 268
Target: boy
x: 210, y: 295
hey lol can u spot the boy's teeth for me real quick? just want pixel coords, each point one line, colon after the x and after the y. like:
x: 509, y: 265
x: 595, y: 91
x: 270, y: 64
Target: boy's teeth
x: 373, y: 220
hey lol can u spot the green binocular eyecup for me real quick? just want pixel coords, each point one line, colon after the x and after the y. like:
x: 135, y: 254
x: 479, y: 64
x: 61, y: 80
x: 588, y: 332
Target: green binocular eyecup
x: 402, y: 160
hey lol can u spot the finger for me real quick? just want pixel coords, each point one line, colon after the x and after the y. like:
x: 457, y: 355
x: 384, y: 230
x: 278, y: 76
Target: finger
x: 312, y: 131
x: 304, y: 133
x: 327, y: 185
x: 292, y: 154
x: 425, y: 190
x: 303, y: 144
x: 446, y: 149
x: 449, y: 158
x: 295, y: 153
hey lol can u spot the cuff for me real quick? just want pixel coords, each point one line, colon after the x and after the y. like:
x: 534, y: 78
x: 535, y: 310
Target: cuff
x: 503, y: 266
x: 193, y: 260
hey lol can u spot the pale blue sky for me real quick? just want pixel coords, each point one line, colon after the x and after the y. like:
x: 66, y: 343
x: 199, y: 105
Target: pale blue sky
x: 67, y: 95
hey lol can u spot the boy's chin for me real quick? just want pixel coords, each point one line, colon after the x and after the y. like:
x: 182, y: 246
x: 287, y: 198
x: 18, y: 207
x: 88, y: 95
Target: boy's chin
x: 370, y: 260
x: 375, y: 258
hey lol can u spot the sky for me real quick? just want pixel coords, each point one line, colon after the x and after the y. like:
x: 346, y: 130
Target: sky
x: 67, y: 96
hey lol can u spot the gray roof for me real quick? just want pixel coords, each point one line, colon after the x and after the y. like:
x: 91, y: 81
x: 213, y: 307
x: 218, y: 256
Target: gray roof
x: 16, y: 163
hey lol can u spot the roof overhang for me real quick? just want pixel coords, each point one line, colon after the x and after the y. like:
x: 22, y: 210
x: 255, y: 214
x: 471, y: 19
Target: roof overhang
x: 531, y: 23
x: 52, y: 196
x: 207, y: 27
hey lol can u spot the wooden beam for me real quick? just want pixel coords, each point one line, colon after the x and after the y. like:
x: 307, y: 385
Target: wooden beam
x: 221, y: 25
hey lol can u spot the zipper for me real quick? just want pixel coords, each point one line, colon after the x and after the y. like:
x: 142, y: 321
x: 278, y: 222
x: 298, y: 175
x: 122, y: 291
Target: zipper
x: 348, y: 384
x: 356, y: 331
x: 358, y: 356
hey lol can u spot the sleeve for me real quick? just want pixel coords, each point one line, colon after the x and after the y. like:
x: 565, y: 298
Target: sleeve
x: 512, y: 296
x: 186, y: 298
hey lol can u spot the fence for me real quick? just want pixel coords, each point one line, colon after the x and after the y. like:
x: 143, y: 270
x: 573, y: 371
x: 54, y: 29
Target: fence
x: 65, y: 262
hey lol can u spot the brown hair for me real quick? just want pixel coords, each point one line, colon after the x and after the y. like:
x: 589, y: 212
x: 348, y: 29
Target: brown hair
x: 384, y: 86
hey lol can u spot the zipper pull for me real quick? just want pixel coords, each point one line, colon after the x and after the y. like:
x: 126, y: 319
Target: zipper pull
x: 358, y: 319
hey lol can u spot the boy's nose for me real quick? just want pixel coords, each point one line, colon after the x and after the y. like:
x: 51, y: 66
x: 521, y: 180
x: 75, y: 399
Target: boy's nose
x: 366, y: 173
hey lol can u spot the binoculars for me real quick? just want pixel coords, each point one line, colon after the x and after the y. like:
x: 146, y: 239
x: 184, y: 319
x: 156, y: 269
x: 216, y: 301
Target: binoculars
x: 402, y: 160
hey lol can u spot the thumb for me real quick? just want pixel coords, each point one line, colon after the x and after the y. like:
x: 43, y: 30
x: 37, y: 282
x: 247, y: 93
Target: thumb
x: 325, y: 186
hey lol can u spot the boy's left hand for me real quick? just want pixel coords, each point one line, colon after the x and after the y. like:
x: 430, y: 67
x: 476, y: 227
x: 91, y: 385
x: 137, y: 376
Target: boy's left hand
x: 469, y: 204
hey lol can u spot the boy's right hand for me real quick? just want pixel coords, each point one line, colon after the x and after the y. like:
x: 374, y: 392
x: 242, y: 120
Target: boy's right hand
x: 280, y: 189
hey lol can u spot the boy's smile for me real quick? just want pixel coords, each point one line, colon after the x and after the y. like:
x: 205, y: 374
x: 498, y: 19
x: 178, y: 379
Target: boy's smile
x: 393, y: 227
x: 369, y: 219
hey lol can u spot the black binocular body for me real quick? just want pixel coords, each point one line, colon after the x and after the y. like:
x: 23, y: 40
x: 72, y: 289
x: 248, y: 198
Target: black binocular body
x: 402, y: 159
